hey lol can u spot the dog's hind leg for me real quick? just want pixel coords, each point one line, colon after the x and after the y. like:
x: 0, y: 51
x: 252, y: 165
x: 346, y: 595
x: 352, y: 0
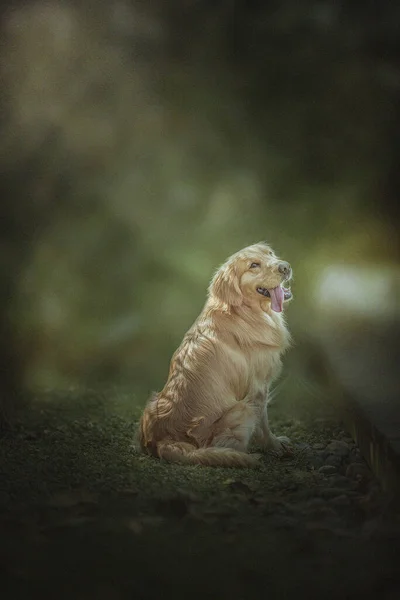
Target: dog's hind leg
x: 235, y: 428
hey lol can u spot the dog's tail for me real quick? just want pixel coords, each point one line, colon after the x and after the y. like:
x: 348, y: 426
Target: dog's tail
x: 187, y: 454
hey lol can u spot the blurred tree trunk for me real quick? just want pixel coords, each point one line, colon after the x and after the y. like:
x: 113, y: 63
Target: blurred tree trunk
x: 386, y: 51
x: 388, y: 195
x: 14, y: 236
x: 32, y: 190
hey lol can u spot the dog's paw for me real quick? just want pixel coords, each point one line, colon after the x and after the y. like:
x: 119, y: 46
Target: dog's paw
x: 280, y: 445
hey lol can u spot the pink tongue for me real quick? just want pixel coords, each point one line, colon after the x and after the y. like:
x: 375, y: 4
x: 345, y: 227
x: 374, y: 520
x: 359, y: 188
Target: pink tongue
x: 276, y: 298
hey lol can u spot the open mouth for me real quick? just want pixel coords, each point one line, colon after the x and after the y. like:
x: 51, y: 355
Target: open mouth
x: 278, y: 296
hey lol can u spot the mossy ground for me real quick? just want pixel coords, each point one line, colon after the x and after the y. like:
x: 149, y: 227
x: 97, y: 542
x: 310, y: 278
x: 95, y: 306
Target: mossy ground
x: 84, y: 515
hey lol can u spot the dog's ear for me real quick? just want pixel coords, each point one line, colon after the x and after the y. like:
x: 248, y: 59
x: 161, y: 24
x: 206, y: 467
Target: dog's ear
x: 225, y: 286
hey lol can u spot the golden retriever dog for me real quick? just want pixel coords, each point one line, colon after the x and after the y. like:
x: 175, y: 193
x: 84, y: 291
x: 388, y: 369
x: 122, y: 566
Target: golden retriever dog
x: 214, y: 403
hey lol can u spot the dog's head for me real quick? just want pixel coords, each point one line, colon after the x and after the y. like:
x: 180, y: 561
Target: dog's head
x: 253, y: 276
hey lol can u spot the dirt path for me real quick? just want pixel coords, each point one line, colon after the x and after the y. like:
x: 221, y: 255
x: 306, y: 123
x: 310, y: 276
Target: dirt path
x: 84, y: 515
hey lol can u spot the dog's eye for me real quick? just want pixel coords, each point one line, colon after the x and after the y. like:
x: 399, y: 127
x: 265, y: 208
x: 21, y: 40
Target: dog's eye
x: 254, y: 265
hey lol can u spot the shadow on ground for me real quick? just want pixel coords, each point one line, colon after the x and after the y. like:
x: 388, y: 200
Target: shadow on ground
x: 84, y: 515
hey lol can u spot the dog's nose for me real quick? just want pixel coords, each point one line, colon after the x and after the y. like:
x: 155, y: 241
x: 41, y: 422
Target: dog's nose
x: 284, y: 268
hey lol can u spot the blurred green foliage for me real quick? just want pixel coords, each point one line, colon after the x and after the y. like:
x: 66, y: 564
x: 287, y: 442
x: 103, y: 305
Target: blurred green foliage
x: 142, y: 143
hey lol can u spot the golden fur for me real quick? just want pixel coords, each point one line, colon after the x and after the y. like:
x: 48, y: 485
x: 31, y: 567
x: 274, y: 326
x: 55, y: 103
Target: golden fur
x: 214, y: 403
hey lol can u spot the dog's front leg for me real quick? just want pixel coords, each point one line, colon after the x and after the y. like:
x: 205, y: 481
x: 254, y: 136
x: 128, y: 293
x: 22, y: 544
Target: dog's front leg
x: 266, y: 440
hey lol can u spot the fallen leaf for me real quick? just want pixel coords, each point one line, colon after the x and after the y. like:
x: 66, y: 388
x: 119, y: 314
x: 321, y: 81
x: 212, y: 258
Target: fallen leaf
x: 228, y: 481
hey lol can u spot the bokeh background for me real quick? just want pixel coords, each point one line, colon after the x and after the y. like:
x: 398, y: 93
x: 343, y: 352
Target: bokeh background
x: 144, y: 142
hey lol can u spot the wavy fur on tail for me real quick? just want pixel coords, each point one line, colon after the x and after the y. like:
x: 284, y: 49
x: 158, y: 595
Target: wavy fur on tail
x: 184, y: 453
x: 188, y: 454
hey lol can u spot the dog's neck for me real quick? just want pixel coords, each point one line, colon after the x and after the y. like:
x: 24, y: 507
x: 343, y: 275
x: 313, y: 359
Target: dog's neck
x: 249, y: 324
